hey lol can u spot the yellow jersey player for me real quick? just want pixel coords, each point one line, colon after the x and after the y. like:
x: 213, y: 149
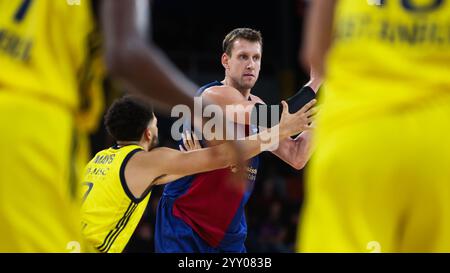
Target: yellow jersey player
x: 50, y: 78
x: 43, y: 54
x: 118, y: 181
x: 379, y: 179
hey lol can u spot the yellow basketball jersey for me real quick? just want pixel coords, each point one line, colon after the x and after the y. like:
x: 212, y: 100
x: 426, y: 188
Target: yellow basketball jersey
x: 386, y: 54
x: 385, y: 114
x: 50, y: 50
x: 50, y: 83
x: 110, y: 213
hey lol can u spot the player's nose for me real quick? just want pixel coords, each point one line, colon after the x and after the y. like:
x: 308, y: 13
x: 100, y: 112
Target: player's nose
x: 250, y: 65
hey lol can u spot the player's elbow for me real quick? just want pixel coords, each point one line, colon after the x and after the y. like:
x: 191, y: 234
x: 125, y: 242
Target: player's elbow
x: 116, y: 60
x: 122, y: 59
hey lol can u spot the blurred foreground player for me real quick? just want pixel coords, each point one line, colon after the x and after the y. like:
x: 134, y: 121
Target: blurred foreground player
x: 379, y: 179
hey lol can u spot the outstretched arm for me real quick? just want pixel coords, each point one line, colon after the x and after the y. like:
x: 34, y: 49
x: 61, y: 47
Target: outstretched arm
x: 318, y: 34
x: 133, y: 58
x: 163, y: 165
x: 202, y: 160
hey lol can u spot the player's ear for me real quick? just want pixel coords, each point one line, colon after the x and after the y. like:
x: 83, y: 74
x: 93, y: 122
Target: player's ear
x: 148, y: 134
x: 225, y: 59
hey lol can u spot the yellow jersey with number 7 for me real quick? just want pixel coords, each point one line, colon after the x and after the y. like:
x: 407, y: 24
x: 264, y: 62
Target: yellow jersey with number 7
x: 110, y: 212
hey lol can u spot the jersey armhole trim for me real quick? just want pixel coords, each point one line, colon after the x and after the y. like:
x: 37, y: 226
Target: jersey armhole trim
x: 124, y: 182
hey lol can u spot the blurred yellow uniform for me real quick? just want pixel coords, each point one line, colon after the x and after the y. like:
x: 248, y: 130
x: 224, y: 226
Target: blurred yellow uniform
x: 49, y: 99
x: 110, y: 212
x: 379, y: 179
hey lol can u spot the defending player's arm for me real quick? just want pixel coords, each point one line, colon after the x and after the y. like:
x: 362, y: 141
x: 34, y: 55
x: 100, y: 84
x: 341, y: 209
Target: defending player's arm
x: 162, y: 165
x: 318, y: 37
x: 131, y: 57
x: 218, y: 157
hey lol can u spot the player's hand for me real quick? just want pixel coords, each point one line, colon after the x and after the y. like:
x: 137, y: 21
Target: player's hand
x: 292, y: 124
x: 190, y: 142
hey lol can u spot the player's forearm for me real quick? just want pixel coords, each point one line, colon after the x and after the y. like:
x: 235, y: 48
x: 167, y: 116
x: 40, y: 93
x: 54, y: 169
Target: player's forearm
x: 266, y: 140
x: 318, y: 34
x: 315, y: 82
x: 287, y: 152
x: 132, y: 59
x: 219, y: 156
x: 304, y: 149
x: 149, y: 73
x: 295, y: 152
x: 215, y: 157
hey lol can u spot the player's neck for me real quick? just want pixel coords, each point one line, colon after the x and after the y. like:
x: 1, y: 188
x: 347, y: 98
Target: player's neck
x: 121, y: 144
x: 244, y: 92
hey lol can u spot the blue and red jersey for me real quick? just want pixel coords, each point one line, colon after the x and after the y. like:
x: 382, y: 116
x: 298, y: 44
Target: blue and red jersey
x: 202, y: 212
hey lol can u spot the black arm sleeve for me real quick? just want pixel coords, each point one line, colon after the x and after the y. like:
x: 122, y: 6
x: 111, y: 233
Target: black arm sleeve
x: 302, y: 97
x: 269, y: 115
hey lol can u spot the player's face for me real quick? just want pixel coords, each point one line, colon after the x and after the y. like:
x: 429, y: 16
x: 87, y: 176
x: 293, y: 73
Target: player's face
x: 244, y: 63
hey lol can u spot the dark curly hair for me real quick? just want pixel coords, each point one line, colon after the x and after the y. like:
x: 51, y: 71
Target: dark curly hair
x: 127, y: 118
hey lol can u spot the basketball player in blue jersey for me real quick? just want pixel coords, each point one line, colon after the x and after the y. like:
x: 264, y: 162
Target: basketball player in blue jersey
x: 202, y: 213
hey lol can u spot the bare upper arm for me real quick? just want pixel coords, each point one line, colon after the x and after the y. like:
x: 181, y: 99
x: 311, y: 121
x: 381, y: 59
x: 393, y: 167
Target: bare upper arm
x: 318, y: 35
x: 123, y: 23
x: 237, y: 108
x: 135, y: 60
x: 225, y: 95
x: 162, y: 162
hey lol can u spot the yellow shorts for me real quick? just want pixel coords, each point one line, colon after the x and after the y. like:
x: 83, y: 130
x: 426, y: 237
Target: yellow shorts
x: 39, y: 210
x: 381, y: 184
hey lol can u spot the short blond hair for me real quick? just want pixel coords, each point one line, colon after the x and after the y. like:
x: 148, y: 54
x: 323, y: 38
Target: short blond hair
x: 240, y: 33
